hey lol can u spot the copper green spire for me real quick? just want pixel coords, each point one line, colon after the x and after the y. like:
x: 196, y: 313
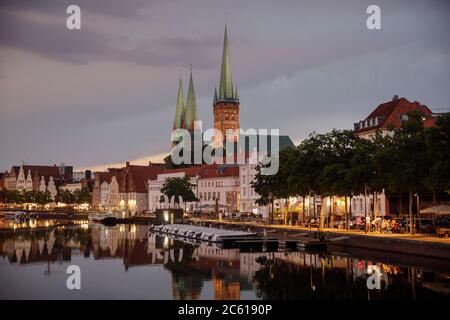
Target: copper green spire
x: 180, y: 109
x: 215, y: 94
x: 226, y: 81
x: 236, y: 94
x: 191, y: 106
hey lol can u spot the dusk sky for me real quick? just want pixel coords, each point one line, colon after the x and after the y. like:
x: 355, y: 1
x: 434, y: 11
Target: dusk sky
x: 107, y: 93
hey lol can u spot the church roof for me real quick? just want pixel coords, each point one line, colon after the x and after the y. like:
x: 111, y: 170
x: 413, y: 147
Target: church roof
x: 180, y: 109
x: 226, y: 80
x: 191, y: 106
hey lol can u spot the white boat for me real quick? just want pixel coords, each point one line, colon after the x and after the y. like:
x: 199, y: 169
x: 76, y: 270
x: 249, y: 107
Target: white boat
x: 99, y: 216
x: 201, y: 233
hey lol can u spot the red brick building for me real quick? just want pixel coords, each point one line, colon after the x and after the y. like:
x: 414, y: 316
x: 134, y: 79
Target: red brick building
x: 226, y: 104
x: 132, y: 185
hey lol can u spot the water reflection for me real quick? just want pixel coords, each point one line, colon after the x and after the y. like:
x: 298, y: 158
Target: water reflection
x: 201, y: 271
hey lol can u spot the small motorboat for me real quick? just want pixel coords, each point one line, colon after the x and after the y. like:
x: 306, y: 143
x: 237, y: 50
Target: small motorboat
x: 107, y: 217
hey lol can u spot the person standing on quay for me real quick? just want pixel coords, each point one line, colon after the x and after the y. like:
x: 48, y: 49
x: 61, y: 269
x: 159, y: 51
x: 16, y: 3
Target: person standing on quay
x: 367, y: 223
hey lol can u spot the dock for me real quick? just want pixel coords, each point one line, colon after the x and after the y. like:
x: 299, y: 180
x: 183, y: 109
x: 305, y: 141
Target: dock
x: 246, y: 241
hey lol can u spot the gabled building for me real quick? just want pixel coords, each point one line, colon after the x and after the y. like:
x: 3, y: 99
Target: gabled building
x: 390, y: 115
x: 124, y: 188
x: 37, y: 178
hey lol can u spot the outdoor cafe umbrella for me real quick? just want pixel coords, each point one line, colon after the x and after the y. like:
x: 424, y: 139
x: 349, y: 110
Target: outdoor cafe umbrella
x: 441, y: 209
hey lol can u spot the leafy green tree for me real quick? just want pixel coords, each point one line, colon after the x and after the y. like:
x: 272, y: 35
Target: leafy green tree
x: 82, y: 196
x: 43, y: 198
x: 177, y: 187
x: 265, y: 187
x: 65, y: 196
x: 408, y: 159
x: 438, y: 151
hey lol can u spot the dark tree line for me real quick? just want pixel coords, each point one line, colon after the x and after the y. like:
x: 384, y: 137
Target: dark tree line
x: 410, y: 160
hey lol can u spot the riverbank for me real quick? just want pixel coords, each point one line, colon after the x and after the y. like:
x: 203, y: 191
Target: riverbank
x: 418, y: 245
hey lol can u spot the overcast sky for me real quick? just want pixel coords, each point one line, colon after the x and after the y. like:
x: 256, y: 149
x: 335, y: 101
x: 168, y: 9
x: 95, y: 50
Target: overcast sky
x: 106, y: 93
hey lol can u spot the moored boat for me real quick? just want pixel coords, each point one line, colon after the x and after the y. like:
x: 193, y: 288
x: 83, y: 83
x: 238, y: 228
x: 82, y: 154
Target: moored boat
x: 103, y: 217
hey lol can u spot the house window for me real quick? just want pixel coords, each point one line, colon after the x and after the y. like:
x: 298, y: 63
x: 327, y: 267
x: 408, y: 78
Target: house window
x: 404, y: 117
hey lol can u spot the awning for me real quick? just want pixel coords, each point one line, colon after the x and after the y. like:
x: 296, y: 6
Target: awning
x: 439, y: 210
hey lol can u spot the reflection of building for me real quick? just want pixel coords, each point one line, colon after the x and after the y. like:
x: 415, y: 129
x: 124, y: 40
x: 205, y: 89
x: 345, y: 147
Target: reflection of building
x: 226, y: 291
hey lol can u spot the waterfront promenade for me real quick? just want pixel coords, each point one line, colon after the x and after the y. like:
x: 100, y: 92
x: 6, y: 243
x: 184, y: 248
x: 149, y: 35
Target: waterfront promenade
x: 334, y: 231
x: 414, y: 245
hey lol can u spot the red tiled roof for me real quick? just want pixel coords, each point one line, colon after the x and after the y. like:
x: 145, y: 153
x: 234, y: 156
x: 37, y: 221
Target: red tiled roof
x: 217, y: 171
x: 388, y: 111
x: 140, y: 175
x: 39, y: 171
x: 384, y: 109
x: 104, y: 176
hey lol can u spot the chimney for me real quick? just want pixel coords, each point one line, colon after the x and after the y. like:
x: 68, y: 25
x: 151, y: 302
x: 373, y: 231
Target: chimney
x: 127, y: 163
x: 395, y: 98
x: 149, y: 163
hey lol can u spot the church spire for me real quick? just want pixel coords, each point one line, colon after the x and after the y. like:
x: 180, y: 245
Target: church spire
x: 236, y: 94
x: 180, y: 109
x: 226, y: 81
x: 191, y: 105
x: 215, y: 94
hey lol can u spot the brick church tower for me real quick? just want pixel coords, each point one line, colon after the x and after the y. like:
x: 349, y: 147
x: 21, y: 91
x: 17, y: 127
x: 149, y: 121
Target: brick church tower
x: 226, y: 103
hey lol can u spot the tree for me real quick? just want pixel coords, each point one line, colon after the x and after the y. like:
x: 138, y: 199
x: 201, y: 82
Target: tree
x: 43, y: 198
x: 264, y: 186
x: 82, y: 196
x: 437, y: 141
x: 65, y: 196
x: 177, y: 187
x: 279, y: 185
x: 409, y: 163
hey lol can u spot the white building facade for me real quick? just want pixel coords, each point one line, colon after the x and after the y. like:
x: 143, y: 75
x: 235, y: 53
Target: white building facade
x: 154, y: 189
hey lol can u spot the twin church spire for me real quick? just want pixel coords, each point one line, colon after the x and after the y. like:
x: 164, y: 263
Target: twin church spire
x: 186, y: 110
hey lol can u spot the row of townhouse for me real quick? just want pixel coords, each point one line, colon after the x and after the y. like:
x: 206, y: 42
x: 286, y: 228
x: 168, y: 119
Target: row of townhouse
x: 124, y: 188
x: 37, y: 178
x: 136, y: 189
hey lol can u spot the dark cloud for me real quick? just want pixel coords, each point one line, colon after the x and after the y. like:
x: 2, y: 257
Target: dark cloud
x: 301, y: 66
x: 114, y: 8
x: 54, y: 41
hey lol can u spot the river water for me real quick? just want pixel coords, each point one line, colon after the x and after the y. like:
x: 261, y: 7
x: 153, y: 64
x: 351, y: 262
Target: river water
x: 128, y: 262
